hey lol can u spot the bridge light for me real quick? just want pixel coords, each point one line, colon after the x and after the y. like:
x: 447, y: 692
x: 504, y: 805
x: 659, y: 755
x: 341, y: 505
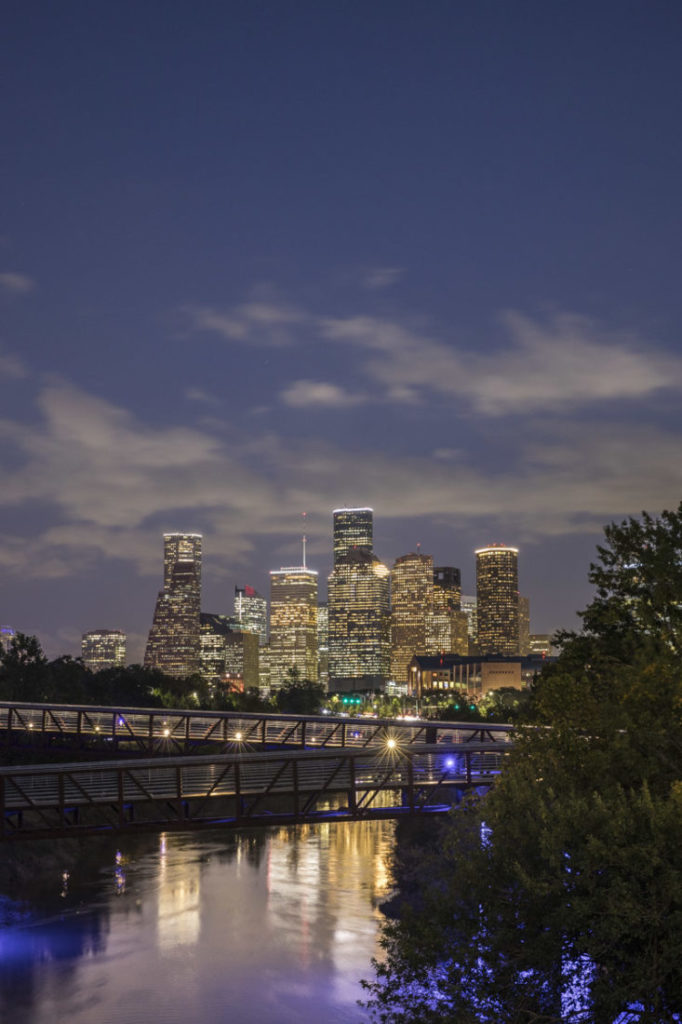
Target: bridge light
x: 166, y: 732
x: 391, y: 743
x: 238, y: 737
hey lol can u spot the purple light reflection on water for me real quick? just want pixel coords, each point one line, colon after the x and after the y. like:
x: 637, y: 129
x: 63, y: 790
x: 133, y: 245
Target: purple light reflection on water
x: 252, y: 927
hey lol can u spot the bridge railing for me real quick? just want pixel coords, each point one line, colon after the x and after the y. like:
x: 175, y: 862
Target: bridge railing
x: 239, y: 788
x: 167, y: 731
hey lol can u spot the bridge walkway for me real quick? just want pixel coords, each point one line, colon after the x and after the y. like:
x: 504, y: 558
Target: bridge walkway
x: 242, y: 788
x: 112, y: 731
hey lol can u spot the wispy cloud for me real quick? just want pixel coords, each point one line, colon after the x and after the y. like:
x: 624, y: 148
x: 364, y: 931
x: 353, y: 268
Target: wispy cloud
x: 113, y: 483
x: 562, y: 364
x: 201, y: 396
x: 259, y: 322
x: 377, y: 278
x: 11, y: 366
x: 17, y: 283
x: 306, y: 393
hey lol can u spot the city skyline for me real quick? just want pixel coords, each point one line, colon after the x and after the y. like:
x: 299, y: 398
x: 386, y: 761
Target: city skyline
x: 268, y: 259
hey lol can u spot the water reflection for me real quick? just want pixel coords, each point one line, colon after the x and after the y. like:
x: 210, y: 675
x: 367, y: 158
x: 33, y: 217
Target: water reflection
x: 275, y: 926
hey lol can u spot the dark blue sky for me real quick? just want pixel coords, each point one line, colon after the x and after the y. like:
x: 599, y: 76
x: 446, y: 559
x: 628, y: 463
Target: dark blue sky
x: 261, y: 257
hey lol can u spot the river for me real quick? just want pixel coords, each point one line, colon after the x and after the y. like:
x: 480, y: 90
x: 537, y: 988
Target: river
x: 197, y: 928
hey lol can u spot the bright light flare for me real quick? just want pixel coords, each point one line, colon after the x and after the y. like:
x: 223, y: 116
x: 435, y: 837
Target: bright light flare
x: 391, y: 743
x: 238, y: 737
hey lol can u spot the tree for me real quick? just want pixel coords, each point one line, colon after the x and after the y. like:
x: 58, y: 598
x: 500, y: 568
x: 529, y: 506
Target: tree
x: 299, y: 696
x: 558, y: 896
x: 24, y: 672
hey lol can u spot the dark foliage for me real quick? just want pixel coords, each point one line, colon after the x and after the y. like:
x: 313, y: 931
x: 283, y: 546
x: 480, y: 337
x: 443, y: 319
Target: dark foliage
x: 558, y: 896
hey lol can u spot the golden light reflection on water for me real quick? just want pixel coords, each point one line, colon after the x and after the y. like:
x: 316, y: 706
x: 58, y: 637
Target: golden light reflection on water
x: 278, y: 925
x: 178, y: 910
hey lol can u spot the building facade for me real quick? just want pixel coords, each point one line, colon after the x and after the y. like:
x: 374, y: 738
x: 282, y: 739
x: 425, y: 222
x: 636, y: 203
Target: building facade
x: 358, y: 607
x: 323, y: 645
x: 103, y: 648
x: 229, y: 654
x: 448, y: 625
x: 174, y: 643
x: 411, y: 611
x: 468, y: 605
x: 293, y: 624
x: 353, y: 530
x: 251, y: 610
x: 497, y: 599
x: 524, y: 625
x: 473, y: 676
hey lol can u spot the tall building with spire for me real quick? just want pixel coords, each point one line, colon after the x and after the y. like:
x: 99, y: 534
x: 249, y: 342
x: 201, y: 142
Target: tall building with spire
x: 411, y: 610
x: 358, y: 606
x: 497, y: 604
x: 174, y: 640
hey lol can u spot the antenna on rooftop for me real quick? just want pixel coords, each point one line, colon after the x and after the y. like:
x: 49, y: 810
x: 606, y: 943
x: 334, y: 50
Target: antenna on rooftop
x: 303, y: 517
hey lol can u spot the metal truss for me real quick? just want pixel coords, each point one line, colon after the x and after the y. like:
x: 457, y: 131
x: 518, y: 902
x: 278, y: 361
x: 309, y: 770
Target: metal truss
x: 242, y: 788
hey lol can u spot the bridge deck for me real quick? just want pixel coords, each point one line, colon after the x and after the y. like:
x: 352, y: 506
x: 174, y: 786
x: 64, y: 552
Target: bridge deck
x: 242, y: 788
x: 159, y: 731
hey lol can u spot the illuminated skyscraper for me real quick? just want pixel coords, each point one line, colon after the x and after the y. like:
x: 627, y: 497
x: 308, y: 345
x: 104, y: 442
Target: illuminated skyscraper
x: 323, y: 644
x: 252, y: 611
x: 447, y: 587
x: 469, y: 607
x: 174, y: 645
x: 524, y: 625
x: 103, y: 648
x: 353, y: 529
x: 448, y: 625
x: 358, y: 607
x: 411, y: 611
x: 293, y: 624
x: 497, y: 593
x: 229, y: 654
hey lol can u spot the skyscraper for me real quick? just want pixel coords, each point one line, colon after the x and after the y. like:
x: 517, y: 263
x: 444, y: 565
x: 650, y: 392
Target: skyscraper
x: 411, y: 610
x: 251, y: 609
x: 103, y: 648
x: 353, y: 531
x: 323, y: 644
x: 497, y: 593
x: 448, y: 630
x: 358, y: 606
x: 229, y: 654
x: 468, y: 606
x: 174, y: 645
x: 293, y: 623
x: 524, y: 625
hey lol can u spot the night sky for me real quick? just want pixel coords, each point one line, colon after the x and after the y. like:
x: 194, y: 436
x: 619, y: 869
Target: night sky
x: 258, y: 258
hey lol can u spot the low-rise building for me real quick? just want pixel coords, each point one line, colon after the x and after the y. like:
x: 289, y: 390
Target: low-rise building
x: 474, y: 676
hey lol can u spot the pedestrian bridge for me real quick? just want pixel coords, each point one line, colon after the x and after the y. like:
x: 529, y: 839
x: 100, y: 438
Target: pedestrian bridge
x: 387, y: 778
x: 115, y: 731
